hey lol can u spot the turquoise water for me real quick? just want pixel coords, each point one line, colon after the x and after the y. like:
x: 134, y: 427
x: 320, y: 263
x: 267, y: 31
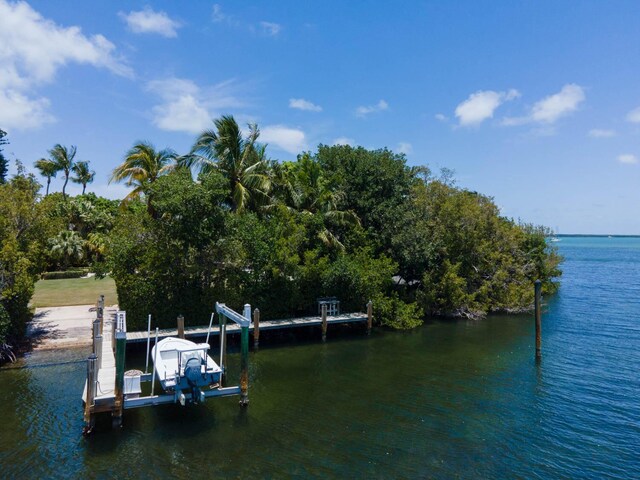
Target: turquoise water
x: 448, y: 400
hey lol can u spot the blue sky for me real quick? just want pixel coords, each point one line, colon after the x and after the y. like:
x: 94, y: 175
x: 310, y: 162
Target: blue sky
x: 534, y: 103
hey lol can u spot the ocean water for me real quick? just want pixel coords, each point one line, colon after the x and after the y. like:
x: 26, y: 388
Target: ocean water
x: 449, y: 400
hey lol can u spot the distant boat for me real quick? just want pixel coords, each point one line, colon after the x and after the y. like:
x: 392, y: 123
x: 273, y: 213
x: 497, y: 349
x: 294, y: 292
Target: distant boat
x: 185, y: 368
x: 555, y: 239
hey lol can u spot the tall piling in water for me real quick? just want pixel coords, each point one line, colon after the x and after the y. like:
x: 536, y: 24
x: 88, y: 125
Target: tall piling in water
x: 223, y: 347
x: 256, y: 328
x: 180, y: 326
x: 244, y: 358
x: 538, y: 315
x: 121, y: 346
x: 92, y: 376
x: 324, y: 322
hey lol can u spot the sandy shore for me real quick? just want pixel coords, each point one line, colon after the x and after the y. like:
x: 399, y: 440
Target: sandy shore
x: 64, y: 327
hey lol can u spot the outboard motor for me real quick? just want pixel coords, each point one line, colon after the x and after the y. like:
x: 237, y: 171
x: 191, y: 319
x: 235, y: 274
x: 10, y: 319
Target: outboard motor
x: 192, y: 371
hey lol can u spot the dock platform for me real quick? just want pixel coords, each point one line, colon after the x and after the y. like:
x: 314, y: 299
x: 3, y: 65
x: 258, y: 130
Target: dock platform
x: 106, y: 390
x: 201, y: 331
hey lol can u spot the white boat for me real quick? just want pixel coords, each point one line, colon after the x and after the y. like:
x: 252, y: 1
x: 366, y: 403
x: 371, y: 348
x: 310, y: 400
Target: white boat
x: 185, y: 368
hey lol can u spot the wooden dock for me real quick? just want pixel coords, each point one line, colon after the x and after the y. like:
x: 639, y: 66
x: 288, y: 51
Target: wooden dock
x: 107, y: 391
x: 106, y: 385
x: 136, y: 337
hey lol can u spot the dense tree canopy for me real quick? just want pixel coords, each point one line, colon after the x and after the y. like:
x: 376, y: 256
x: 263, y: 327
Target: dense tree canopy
x: 343, y: 221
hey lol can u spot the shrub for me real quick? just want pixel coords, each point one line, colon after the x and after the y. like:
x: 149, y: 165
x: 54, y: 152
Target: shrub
x: 66, y: 274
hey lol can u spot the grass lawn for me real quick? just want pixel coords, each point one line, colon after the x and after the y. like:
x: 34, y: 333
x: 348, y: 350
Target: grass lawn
x: 74, y: 291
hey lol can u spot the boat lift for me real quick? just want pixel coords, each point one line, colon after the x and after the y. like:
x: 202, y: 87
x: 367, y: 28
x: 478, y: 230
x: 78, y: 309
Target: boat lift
x: 126, y: 394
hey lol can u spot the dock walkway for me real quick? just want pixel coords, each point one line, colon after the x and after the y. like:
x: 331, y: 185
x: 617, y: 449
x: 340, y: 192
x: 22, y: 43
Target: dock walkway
x: 106, y: 384
x: 201, y: 331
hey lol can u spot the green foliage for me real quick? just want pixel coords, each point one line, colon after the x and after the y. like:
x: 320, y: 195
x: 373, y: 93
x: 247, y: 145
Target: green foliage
x: 4, y: 163
x: 48, y: 169
x: 347, y: 222
x: 83, y: 175
x: 63, y: 158
x: 163, y: 264
x: 64, y: 274
x: 142, y: 166
x: 21, y: 228
x: 242, y: 162
x: 67, y: 247
x: 342, y: 222
x: 374, y: 184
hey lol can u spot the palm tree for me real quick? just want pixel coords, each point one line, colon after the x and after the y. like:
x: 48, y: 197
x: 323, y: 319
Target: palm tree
x: 63, y: 158
x: 241, y: 161
x: 141, y: 167
x: 47, y: 168
x: 83, y: 174
x: 312, y: 194
x: 67, y: 246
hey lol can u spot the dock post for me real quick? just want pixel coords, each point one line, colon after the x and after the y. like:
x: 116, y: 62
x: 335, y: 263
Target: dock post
x: 100, y: 312
x: 256, y: 328
x: 538, y: 314
x: 98, y: 351
x: 324, y: 322
x: 121, y: 345
x: 244, y: 366
x: 223, y: 347
x: 95, y: 333
x: 369, y: 316
x: 180, y: 326
x: 244, y: 358
x: 92, y: 375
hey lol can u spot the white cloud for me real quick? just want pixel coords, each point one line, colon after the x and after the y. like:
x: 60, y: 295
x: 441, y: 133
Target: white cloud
x: 32, y: 49
x: 302, y: 104
x: 363, y: 111
x: 634, y: 115
x: 481, y: 105
x: 404, y: 147
x: 628, y: 158
x: 149, y: 21
x: 600, y: 133
x: 344, y: 141
x: 270, y: 28
x: 291, y: 140
x: 186, y: 107
x: 19, y: 111
x: 441, y: 117
x: 551, y: 108
x: 217, y: 15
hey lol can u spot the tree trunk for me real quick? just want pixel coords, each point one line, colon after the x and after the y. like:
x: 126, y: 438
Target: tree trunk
x: 150, y: 210
x: 66, y: 180
x: 48, y: 182
x: 84, y: 186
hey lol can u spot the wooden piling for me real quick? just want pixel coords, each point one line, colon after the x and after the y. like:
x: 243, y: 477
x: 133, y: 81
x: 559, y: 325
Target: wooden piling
x: 223, y: 347
x: 95, y: 333
x: 100, y: 312
x: 369, y: 317
x: 121, y: 346
x: 256, y: 328
x: 538, y: 315
x: 180, y: 326
x: 98, y: 351
x: 244, y: 366
x: 92, y: 375
x: 324, y: 322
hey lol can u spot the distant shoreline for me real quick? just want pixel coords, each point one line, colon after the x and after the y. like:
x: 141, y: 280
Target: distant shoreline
x: 594, y: 235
